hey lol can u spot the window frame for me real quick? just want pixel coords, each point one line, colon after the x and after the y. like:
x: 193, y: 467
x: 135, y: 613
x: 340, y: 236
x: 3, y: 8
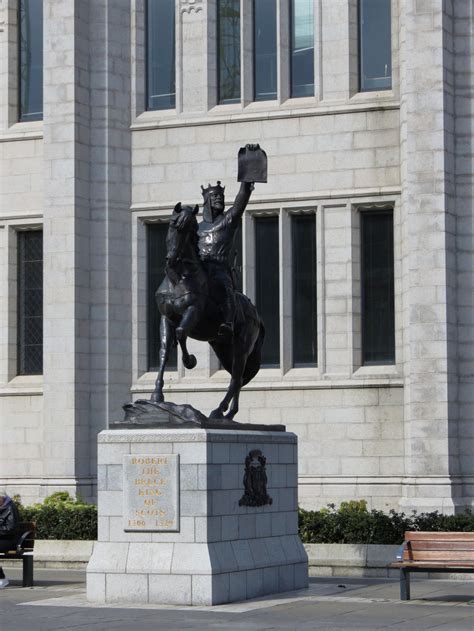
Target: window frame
x: 219, y: 100
x: 20, y: 117
x: 369, y: 204
x: 360, y: 88
x: 20, y: 371
x: 255, y: 98
x: 247, y: 63
x: 147, y: 64
x: 290, y: 64
x: 286, y: 369
x: 374, y: 212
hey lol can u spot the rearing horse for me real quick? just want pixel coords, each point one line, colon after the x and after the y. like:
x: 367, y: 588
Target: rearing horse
x: 187, y: 302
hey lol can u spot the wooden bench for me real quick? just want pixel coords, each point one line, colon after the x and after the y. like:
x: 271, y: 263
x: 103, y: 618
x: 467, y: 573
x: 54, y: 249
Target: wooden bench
x: 434, y: 552
x: 24, y: 550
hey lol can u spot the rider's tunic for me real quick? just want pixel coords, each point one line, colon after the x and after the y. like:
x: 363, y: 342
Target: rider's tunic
x: 215, y: 245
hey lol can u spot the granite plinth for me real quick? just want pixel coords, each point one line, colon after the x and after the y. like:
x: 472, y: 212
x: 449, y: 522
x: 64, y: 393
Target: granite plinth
x: 222, y: 551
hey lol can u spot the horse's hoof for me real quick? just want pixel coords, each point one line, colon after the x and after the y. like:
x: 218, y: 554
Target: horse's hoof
x: 157, y: 398
x: 190, y: 363
x: 216, y: 415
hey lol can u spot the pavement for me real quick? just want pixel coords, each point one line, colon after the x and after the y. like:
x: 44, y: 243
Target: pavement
x: 57, y: 601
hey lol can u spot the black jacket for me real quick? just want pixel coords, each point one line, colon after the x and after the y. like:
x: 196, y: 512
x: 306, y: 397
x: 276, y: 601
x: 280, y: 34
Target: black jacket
x: 9, y: 518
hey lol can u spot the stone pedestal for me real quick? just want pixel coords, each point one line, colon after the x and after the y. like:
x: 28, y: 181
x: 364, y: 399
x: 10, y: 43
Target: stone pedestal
x: 173, y: 524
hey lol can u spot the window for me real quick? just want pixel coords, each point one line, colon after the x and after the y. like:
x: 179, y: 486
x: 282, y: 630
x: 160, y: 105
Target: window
x: 265, y: 50
x: 250, y: 60
x: 30, y: 302
x: 156, y: 261
x: 375, y: 45
x: 228, y: 60
x: 160, y: 49
x: 267, y: 286
x: 303, y: 250
x: 377, y: 276
x: 302, y: 48
x: 30, y: 20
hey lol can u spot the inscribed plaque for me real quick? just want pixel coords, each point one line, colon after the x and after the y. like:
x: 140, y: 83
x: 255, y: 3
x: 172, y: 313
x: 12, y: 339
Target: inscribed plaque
x: 151, y: 493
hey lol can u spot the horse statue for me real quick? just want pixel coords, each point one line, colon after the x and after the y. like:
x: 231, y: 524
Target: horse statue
x: 188, y: 301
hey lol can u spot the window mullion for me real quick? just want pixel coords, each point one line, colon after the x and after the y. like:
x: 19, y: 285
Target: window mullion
x: 247, y: 51
x: 283, y: 50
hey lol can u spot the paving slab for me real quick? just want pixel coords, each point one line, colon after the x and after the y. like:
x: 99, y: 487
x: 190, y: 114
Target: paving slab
x: 58, y: 601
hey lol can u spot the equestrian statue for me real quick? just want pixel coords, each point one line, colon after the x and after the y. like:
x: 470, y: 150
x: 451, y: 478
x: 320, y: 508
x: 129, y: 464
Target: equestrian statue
x: 197, y: 297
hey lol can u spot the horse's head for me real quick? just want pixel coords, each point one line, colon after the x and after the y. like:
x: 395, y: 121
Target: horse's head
x: 184, y: 218
x: 182, y: 233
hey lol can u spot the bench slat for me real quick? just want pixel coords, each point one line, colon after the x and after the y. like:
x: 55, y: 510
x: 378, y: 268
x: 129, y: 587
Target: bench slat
x: 438, y: 555
x: 439, y: 536
x: 434, y: 564
x: 441, y: 545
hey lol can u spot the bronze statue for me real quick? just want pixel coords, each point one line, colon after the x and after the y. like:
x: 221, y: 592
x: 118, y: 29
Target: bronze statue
x: 197, y: 298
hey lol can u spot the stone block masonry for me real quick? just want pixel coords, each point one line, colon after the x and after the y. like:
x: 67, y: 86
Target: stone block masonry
x: 222, y: 551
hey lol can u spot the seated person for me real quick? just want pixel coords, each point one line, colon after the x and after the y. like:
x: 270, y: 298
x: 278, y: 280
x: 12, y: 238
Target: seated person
x: 9, y: 521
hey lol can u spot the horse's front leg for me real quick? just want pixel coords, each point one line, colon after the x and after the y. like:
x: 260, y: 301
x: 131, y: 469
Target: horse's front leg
x: 167, y: 340
x: 187, y: 323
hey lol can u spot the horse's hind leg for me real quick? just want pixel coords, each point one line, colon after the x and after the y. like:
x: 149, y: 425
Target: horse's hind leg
x: 188, y: 321
x: 167, y: 340
x: 233, y: 391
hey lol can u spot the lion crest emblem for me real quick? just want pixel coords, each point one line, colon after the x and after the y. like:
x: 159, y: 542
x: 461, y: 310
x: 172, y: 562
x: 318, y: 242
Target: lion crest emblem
x: 255, y: 480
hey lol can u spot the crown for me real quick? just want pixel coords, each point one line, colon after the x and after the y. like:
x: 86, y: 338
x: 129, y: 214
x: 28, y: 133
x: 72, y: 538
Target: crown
x: 217, y: 187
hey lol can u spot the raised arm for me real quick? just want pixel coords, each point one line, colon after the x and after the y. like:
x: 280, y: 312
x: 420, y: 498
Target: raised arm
x: 241, y: 201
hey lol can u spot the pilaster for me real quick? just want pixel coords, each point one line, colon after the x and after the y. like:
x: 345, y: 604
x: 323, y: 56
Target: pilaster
x: 428, y: 227
x: 86, y: 230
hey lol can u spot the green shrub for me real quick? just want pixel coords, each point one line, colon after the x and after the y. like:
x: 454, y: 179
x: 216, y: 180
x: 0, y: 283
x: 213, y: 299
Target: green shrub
x: 61, y: 516
x: 352, y: 522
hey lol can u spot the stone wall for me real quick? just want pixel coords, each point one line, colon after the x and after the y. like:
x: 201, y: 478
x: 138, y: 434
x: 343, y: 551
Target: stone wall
x: 105, y: 167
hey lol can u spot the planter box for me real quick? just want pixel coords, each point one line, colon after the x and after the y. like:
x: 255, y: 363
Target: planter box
x: 51, y: 553
x: 346, y: 559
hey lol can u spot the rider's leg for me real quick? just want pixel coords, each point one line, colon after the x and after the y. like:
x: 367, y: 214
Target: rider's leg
x: 227, y: 327
x: 167, y: 339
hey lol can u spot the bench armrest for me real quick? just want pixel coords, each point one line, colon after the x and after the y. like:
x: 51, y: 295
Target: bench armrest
x: 21, y: 541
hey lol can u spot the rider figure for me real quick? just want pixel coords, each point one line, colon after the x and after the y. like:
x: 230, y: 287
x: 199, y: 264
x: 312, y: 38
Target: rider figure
x: 216, y: 236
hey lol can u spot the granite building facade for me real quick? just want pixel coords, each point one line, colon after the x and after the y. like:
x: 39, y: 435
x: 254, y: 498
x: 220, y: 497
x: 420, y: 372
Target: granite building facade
x: 124, y: 107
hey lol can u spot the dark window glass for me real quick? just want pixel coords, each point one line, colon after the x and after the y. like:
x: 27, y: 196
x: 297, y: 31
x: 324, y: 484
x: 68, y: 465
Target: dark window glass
x: 156, y: 272
x: 31, y: 60
x: 303, y: 238
x: 267, y: 286
x: 161, y: 76
x: 30, y: 302
x: 378, y: 312
x: 302, y: 48
x: 228, y: 47
x: 265, y: 50
x: 375, y: 45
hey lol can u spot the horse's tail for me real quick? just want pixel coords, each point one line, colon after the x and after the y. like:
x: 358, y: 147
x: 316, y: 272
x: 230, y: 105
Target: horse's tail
x: 253, y: 362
